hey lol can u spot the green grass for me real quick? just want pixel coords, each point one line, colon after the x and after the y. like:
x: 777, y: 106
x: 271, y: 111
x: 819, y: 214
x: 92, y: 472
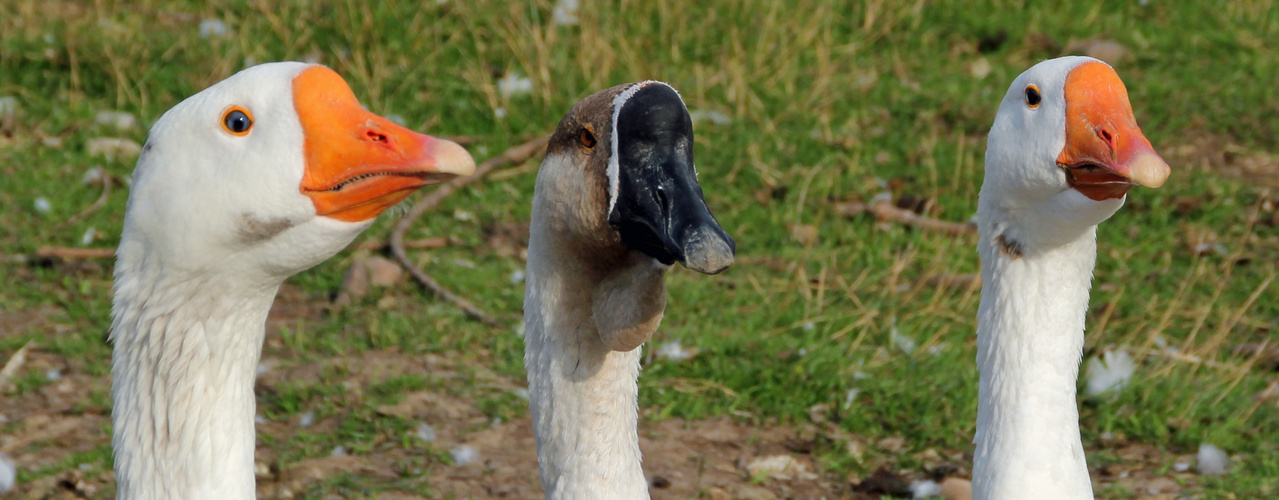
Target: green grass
x: 826, y: 99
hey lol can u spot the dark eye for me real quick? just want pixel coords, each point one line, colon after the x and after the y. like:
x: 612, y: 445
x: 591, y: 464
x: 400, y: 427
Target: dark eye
x: 237, y: 121
x: 585, y: 137
x: 1032, y: 96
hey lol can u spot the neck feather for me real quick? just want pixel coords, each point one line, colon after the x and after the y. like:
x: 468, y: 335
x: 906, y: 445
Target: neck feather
x: 1030, y: 338
x: 183, y: 364
x: 582, y: 394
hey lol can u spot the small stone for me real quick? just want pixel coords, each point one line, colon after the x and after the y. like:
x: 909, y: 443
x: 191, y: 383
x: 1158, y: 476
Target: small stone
x: 892, y: 444
x: 464, y: 455
x: 778, y: 467
x: 383, y: 272
x: 261, y: 470
x: 306, y: 419
x: 8, y: 474
x: 953, y: 488
x: 804, y: 234
x: 42, y: 205
x: 979, y: 68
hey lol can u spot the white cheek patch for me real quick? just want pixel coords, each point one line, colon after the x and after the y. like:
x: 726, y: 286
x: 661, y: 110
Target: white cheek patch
x: 613, y: 171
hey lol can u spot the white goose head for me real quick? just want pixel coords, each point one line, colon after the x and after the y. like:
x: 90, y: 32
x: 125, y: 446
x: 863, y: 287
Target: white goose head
x: 1063, y: 152
x: 270, y: 172
x: 619, y: 171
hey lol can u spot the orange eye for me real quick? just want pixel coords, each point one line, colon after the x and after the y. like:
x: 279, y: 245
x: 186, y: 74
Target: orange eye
x: 586, y: 138
x: 1032, y: 96
x: 237, y: 121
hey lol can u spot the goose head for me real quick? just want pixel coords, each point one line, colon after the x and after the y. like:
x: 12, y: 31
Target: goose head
x: 270, y: 172
x: 1064, y: 150
x: 619, y: 173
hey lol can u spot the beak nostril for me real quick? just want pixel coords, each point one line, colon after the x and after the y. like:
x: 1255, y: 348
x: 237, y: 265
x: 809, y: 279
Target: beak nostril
x: 375, y: 136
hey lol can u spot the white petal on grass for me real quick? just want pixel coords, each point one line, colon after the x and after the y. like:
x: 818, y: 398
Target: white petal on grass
x: 517, y: 276
x: 426, y: 432
x: 850, y: 396
x: 565, y: 13
x: 210, y: 28
x: 710, y: 115
x: 925, y: 489
x: 93, y: 175
x: 513, y: 84
x: 673, y: 351
x: 8, y: 106
x: 8, y: 474
x: 53, y: 374
x: 1109, y: 372
x: 306, y: 419
x: 1212, y: 460
x: 1180, y: 466
x: 119, y: 120
x: 42, y: 205
x: 464, y: 455
x: 338, y: 451
x: 906, y: 344
x: 88, y: 237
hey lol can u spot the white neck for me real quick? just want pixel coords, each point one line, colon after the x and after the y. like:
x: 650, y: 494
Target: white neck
x: 1030, y: 339
x: 582, y: 394
x: 185, y: 356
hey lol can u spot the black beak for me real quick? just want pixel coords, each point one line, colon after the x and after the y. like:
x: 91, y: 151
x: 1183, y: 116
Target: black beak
x: 659, y: 209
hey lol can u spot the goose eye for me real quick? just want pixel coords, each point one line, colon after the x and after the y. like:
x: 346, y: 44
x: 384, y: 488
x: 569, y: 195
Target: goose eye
x: 237, y: 121
x: 586, y: 138
x: 1032, y: 96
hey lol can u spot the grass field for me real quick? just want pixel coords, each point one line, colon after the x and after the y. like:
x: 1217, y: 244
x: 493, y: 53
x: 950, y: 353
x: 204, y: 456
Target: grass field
x: 843, y: 341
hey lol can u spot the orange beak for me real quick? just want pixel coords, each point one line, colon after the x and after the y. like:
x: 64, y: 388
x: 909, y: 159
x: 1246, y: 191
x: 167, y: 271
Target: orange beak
x: 1105, y: 153
x: 358, y: 164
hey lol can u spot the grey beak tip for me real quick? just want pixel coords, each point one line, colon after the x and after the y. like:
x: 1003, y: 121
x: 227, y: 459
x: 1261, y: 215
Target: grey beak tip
x: 708, y: 251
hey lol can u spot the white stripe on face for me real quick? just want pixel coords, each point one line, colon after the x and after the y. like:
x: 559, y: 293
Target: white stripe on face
x: 614, y: 187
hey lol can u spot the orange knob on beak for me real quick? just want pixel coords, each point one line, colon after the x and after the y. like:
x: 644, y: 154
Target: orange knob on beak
x: 1105, y: 153
x: 358, y: 164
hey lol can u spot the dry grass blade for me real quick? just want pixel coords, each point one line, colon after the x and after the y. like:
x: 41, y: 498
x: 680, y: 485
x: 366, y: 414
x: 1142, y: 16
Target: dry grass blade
x: 516, y: 154
x: 14, y: 364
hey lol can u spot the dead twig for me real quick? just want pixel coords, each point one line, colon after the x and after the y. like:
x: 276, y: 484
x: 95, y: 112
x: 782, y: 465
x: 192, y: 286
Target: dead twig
x: 96, y: 205
x: 514, y: 155
x: 423, y: 244
x: 884, y: 210
x: 62, y: 253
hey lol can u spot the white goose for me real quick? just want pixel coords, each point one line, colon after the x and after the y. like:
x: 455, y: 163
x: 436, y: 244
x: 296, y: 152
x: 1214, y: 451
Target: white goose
x: 616, y: 203
x: 254, y: 179
x: 1061, y: 156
